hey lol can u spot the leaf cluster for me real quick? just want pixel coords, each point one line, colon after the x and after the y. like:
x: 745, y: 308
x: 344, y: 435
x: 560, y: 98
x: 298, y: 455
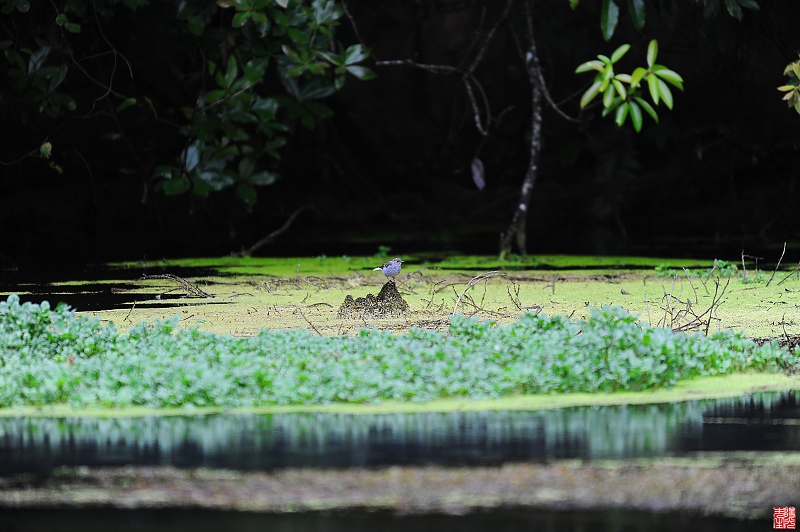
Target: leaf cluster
x: 250, y: 71
x: 623, y: 94
x: 792, y: 87
x: 51, y: 356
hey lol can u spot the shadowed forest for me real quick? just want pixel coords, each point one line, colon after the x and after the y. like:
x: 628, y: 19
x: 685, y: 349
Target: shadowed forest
x: 139, y: 129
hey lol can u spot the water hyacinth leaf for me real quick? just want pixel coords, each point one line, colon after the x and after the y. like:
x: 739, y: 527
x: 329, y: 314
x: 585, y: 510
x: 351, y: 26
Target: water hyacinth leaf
x: 478, y: 176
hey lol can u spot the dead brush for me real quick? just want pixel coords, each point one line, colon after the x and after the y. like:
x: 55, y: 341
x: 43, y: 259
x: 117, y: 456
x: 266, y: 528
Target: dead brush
x: 682, y: 315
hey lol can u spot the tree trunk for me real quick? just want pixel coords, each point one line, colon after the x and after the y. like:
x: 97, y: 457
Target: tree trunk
x: 517, y: 229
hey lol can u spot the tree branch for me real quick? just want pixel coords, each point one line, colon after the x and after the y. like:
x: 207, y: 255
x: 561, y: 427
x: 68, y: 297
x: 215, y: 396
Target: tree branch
x: 275, y: 234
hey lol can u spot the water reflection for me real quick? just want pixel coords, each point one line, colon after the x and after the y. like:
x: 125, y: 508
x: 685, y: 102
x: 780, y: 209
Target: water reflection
x: 264, y: 442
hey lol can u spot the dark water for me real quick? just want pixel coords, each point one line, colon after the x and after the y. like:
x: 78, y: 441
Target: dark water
x: 494, y: 521
x: 759, y: 422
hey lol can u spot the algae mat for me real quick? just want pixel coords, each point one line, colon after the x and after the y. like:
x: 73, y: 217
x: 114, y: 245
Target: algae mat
x: 701, y: 388
x: 251, y: 294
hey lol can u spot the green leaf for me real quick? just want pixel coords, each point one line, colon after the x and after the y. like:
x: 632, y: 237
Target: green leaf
x: 652, y: 53
x: 175, y: 187
x: 233, y: 69
x: 608, y: 96
x: 361, y: 72
x: 622, y: 114
x: 637, y: 9
x: 298, y: 36
x: 734, y: 9
x: 264, y: 178
x: 61, y: 19
x: 652, y: 84
x: 620, y: 88
x: 573, y: 4
x: 246, y: 193
x: 619, y: 52
x: 750, y: 4
x: 72, y: 27
x: 636, y: 116
x: 648, y: 108
x: 240, y: 19
x: 282, y: 3
x: 625, y: 78
x: 590, y: 94
x: 671, y: 77
x: 637, y: 76
x: 609, y: 17
x: 45, y: 149
x: 125, y: 104
x: 196, y: 25
x: 354, y: 54
x: 594, y: 64
x: 665, y: 93
x: 214, y: 96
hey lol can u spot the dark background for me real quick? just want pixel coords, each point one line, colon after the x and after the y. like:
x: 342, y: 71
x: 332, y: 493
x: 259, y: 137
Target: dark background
x: 391, y: 166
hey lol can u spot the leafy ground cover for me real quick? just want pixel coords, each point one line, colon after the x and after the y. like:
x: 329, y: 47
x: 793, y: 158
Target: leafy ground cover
x: 56, y: 356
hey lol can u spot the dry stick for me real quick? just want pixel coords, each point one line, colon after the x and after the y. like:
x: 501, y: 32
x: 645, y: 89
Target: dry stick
x: 790, y: 274
x: 309, y: 322
x: 275, y: 234
x: 686, y: 272
x: 191, y: 288
x: 744, y: 269
x: 475, y: 280
x: 778, y: 266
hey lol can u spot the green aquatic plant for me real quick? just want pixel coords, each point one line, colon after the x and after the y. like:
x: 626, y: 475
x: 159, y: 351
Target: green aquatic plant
x: 54, y: 356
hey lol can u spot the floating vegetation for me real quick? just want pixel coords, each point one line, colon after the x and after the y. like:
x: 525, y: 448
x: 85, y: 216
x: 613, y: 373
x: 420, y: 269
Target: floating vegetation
x: 54, y: 356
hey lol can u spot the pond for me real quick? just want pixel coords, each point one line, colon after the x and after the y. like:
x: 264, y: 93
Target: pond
x: 757, y: 422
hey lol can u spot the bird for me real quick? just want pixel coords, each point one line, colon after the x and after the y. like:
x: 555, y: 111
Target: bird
x: 391, y: 268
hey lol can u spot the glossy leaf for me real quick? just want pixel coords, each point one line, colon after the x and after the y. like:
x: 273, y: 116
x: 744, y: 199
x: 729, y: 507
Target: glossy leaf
x: 361, y: 72
x: 620, y: 52
x: 636, y: 116
x: 608, y: 96
x: 734, y: 9
x: 664, y: 93
x: 637, y: 76
x: 637, y: 10
x: 652, y: 85
x: 590, y: 94
x: 647, y: 107
x: 671, y: 77
x: 652, y: 53
x: 622, y: 114
x: 594, y: 64
x: 609, y: 16
x: 125, y: 104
